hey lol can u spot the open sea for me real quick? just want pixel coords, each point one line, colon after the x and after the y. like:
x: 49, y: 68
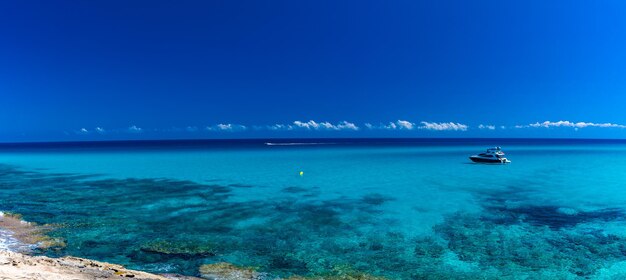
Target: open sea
x: 395, y: 208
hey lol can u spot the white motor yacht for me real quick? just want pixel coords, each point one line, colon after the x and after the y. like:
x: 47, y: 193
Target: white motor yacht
x: 492, y: 155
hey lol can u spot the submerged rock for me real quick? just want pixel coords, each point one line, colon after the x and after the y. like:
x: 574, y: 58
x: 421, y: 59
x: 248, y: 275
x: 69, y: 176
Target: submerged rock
x: 340, y: 272
x: 228, y: 271
x: 179, y: 248
x: 428, y: 247
x: 174, y: 276
x: 294, y: 189
x: 338, y: 277
x: 567, y: 211
x: 375, y: 199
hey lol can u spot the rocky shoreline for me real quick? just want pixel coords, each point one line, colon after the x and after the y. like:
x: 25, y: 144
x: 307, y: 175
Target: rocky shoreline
x: 21, y: 236
x: 19, y: 266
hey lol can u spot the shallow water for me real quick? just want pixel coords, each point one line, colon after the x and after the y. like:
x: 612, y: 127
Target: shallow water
x: 403, y: 209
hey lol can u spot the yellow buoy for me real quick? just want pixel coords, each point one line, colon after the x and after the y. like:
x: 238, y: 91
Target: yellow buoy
x: 301, y: 173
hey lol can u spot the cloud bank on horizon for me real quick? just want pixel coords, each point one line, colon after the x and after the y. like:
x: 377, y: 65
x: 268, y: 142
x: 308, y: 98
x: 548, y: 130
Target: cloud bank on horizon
x: 399, y: 125
x: 576, y: 125
x: 344, y: 125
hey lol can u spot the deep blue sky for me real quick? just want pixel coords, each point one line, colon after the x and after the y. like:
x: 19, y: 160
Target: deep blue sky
x: 164, y: 66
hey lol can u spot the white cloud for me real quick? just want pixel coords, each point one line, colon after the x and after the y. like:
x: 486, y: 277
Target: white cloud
x: 344, y: 125
x: 134, y: 129
x: 575, y: 125
x: 82, y: 131
x: 308, y: 125
x: 405, y: 124
x: 280, y: 127
x: 390, y: 126
x: 227, y: 127
x: 100, y: 130
x: 488, y: 126
x: 443, y: 126
x: 327, y: 125
x: 399, y: 124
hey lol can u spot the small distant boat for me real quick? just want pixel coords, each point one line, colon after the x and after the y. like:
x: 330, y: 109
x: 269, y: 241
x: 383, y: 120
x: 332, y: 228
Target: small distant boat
x: 492, y: 155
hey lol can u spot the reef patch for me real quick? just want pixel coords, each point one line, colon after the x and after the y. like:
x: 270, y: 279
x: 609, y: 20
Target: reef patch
x: 553, y: 216
x: 529, y: 249
x: 228, y: 271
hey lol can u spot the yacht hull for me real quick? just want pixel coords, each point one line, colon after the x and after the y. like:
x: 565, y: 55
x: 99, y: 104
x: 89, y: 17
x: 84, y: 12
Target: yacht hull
x: 486, y: 160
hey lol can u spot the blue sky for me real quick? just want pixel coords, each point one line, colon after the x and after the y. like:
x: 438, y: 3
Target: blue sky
x: 91, y: 70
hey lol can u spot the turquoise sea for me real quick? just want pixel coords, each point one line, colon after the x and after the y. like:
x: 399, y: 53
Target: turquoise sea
x: 397, y: 208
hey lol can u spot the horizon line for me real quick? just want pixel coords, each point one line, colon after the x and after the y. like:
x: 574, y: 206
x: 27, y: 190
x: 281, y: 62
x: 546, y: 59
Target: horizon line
x: 303, y: 138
